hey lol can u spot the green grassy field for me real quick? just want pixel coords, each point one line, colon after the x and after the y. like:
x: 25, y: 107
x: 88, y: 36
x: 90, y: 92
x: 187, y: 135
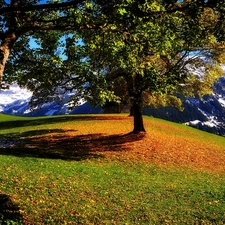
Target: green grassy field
x: 89, y: 170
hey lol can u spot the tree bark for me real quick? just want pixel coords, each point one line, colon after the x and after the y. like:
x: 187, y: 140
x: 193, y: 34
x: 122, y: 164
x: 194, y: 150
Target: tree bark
x: 131, y: 111
x: 5, y: 48
x: 135, y: 84
x: 137, y: 114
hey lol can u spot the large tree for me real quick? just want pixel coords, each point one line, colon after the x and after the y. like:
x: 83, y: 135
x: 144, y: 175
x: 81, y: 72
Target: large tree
x: 155, y: 47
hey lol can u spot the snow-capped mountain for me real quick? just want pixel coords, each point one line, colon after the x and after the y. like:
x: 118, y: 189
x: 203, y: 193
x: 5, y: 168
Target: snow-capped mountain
x: 207, y: 114
x: 14, y: 96
x: 15, y: 101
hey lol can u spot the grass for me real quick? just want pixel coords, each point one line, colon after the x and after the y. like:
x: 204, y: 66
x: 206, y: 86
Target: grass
x: 88, y: 170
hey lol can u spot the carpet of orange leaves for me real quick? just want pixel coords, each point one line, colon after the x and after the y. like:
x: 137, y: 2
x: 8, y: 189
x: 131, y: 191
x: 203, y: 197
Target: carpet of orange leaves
x: 108, y: 137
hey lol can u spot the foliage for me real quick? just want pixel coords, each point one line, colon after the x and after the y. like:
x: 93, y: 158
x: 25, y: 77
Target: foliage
x: 156, y: 47
x: 71, y: 170
x: 21, y: 21
x: 155, y: 54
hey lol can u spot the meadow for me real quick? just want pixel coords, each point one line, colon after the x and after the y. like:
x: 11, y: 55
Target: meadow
x: 89, y: 169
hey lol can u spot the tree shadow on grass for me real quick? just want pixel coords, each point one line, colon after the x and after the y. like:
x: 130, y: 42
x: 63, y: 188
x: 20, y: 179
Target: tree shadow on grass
x: 28, y: 121
x: 59, y: 144
x: 9, y: 211
x: 12, y: 139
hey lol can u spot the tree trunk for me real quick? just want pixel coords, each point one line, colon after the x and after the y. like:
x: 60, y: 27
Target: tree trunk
x: 131, y: 111
x: 5, y: 48
x: 137, y: 113
x: 4, y: 54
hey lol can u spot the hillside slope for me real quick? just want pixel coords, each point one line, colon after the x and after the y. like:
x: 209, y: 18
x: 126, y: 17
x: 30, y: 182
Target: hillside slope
x: 89, y: 169
x: 82, y: 137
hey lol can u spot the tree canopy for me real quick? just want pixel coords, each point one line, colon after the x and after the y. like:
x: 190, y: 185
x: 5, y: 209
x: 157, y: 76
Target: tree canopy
x: 156, y: 48
x: 21, y: 19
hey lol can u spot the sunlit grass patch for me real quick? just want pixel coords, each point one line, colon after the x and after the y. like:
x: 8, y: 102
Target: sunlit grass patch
x: 97, y: 192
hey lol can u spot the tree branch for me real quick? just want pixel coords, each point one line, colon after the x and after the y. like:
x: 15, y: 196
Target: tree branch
x: 40, y: 7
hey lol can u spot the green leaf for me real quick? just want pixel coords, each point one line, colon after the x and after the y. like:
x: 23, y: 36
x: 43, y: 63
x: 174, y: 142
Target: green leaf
x: 122, y: 11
